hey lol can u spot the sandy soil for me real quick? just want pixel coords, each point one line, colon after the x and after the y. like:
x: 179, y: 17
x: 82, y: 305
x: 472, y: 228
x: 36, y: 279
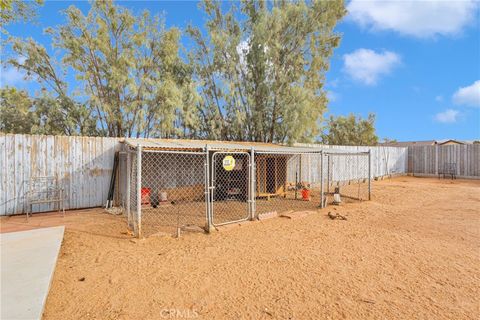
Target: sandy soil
x: 413, y: 252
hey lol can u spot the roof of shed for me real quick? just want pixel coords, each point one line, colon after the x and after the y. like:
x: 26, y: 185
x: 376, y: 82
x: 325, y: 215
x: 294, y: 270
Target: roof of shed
x: 408, y: 143
x: 420, y: 143
x: 191, y: 145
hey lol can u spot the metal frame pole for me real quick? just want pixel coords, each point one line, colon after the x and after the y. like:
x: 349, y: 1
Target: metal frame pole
x: 413, y: 161
x: 252, y: 184
x: 321, y: 180
x: 139, y: 190
x: 207, y: 189
x: 127, y: 201
x: 328, y: 172
x: 211, y: 188
x: 300, y: 169
x: 369, y: 174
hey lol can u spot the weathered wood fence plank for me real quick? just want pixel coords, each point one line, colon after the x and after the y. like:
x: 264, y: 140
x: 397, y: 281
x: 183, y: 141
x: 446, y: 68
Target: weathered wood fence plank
x: 82, y: 164
x: 431, y: 160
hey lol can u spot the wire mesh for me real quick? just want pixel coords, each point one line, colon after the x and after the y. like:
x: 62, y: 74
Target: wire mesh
x: 287, y: 182
x: 348, y: 176
x: 121, y: 181
x: 231, y: 187
x: 176, y: 190
x: 132, y: 206
x: 172, y: 192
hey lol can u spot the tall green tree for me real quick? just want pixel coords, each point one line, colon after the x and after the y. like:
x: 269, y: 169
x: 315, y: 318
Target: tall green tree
x: 132, y: 80
x: 55, y: 107
x: 60, y: 115
x: 351, y: 131
x: 262, y: 67
x: 17, y: 10
x: 16, y: 114
x: 257, y: 74
x: 20, y: 113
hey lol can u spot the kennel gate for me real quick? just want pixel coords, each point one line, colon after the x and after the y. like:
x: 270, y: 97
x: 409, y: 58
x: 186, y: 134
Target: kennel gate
x: 230, y: 187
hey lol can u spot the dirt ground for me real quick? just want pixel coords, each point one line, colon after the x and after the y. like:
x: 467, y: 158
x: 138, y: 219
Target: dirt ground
x: 413, y: 252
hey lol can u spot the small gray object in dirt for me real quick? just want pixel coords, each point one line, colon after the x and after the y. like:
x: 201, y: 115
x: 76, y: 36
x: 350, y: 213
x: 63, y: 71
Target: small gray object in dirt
x: 336, y: 215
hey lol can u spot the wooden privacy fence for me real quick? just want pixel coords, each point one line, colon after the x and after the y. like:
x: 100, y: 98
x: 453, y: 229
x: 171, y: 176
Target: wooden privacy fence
x: 432, y: 160
x: 84, y: 166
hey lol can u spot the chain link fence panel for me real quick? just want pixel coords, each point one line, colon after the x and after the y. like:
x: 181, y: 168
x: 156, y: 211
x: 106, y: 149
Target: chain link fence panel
x: 287, y: 182
x: 347, y: 177
x: 172, y: 192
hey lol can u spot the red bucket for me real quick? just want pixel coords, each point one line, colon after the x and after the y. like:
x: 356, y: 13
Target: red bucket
x: 145, y: 192
x: 306, y: 194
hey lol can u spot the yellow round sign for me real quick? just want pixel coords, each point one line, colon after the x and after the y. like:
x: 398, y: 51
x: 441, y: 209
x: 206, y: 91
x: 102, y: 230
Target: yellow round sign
x: 228, y: 163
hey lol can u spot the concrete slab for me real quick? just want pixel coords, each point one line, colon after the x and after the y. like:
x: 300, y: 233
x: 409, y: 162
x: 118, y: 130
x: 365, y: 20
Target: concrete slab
x: 27, y: 266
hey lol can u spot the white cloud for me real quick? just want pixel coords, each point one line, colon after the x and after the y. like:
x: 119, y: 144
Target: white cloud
x: 368, y: 66
x: 447, y: 116
x: 11, y: 76
x: 469, y: 95
x: 414, y: 18
x: 439, y: 98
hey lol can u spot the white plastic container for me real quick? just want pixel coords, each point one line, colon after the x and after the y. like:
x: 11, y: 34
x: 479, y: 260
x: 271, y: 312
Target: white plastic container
x: 336, y: 198
x: 162, y: 195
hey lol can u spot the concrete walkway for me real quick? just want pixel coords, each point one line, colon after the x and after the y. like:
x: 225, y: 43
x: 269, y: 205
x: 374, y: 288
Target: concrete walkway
x: 27, y: 266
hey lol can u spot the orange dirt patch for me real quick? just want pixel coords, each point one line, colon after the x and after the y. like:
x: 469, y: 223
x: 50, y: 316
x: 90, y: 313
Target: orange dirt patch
x: 413, y: 252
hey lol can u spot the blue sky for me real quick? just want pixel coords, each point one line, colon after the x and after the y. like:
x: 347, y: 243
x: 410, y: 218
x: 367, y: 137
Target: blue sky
x: 415, y: 64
